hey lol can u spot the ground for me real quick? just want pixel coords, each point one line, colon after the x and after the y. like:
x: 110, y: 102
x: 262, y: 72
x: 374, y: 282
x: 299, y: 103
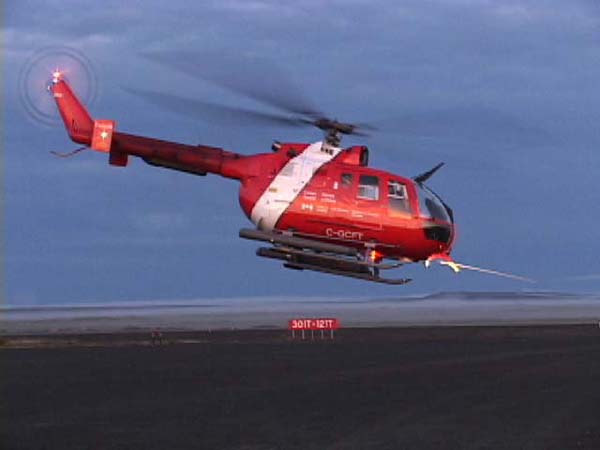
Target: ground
x: 396, y: 388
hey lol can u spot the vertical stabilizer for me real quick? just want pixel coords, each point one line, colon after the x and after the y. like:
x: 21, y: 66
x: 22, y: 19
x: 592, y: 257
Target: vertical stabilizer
x: 77, y: 119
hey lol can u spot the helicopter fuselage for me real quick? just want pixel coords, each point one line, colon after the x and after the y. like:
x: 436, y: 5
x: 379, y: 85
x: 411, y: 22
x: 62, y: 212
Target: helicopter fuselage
x: 330, y: 194
x: 320, y: 193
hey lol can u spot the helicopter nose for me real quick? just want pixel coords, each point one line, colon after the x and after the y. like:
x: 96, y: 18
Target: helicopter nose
x: 440, y: 236
x: 442, y: 233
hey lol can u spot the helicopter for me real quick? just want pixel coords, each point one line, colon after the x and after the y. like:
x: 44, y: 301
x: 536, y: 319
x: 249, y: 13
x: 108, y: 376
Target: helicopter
x: 315, y: 206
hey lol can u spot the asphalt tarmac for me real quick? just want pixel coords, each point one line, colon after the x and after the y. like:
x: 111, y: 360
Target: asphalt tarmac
x: 401, y: 388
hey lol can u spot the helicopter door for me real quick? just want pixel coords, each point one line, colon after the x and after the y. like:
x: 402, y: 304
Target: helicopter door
x: 343, y: 187
x: 398, y: 201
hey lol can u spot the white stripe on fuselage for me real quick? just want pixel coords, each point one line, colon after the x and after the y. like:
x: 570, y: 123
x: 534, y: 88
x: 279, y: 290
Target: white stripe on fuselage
x: 289, y: 182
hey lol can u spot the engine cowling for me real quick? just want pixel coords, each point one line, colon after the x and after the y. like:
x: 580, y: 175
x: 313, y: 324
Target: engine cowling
x: 357, y: 155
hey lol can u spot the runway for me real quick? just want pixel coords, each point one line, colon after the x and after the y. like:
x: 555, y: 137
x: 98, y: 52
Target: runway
x: 380, y: 388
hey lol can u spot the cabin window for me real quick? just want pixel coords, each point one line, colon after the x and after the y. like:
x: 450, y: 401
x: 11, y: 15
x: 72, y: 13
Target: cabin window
x: 398, y: 198
x: 368, y: 187
x: 346, y: 180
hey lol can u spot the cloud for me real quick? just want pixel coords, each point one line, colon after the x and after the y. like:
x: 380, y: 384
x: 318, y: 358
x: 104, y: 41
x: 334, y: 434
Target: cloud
x: 511, y: 89
x: 160, y: 222
x: 591, y: 277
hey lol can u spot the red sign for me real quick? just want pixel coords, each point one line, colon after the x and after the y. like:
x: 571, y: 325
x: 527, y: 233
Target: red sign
x: 314, y: 324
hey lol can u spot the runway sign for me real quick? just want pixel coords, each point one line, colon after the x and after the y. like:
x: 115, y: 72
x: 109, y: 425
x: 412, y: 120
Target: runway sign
x: 314, y: 324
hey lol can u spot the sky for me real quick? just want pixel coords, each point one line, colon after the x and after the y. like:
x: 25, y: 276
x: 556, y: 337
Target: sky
x: 506, y: 93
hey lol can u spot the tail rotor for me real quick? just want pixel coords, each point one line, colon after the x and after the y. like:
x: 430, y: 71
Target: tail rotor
x: 41, y: 69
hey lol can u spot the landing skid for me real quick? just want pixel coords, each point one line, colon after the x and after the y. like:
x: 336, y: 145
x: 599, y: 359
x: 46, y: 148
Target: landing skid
x: 308, y: 254
x: 361, y: 276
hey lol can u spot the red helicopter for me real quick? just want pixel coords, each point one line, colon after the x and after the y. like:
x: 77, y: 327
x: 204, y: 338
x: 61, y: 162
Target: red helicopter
x: 318, y: 206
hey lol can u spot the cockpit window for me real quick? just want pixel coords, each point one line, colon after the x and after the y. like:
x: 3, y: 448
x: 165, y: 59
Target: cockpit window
x: 398, y: 198
x: 368, y: 187
x: 430, y: 205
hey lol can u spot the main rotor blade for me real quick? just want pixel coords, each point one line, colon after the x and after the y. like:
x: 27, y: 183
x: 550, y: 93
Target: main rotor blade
x: 253, y: 77
x: 475, y: 123
x: 212, y: 111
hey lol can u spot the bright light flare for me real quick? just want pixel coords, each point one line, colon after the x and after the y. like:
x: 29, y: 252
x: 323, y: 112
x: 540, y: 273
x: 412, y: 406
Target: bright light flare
x: 46, y: 68
x: 56, y: 76
x: 375, y: 256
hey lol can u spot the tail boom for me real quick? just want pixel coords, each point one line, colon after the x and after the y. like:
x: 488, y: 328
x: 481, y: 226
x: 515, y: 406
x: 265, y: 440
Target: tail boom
x: 199, y: 160
x: 101, y: 135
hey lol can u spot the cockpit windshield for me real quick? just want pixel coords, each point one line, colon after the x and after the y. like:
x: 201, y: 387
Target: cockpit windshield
x: 431, y: 205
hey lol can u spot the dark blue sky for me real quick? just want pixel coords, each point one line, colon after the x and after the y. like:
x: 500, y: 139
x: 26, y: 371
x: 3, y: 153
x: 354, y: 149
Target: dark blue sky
x: 505, y: 92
